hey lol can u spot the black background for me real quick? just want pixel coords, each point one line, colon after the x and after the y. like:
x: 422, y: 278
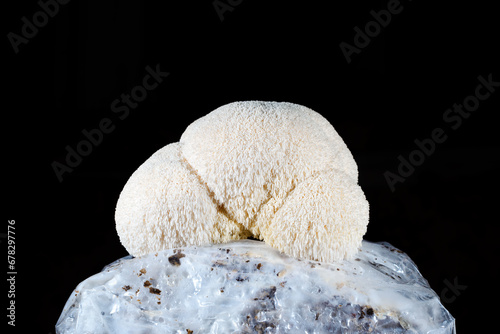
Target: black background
x: 394, y: 91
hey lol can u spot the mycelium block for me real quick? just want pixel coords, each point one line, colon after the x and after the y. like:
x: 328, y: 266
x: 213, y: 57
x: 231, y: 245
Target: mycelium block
x: 250, y: 287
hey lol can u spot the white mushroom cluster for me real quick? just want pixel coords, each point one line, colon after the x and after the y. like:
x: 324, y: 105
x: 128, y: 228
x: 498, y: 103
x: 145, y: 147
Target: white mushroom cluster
x: 275, y: 171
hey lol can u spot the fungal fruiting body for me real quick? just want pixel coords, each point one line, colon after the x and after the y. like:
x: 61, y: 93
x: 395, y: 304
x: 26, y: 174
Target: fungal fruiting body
x: 276, y: 171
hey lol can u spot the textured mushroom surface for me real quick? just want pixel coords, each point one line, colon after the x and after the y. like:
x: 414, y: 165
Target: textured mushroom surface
x: 275, y: 171
x: 249, y: 287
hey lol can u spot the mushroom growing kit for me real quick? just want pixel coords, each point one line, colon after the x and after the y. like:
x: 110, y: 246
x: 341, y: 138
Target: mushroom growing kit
x: 268, y: 171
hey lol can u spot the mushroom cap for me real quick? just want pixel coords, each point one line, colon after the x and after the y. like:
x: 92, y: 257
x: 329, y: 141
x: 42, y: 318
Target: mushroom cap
x: 324, y: 219
x: 253, y: 168
x: 248, y: 152
x: 164, y: 205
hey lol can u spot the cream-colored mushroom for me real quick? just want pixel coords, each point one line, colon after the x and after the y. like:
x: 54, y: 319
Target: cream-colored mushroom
x: 275, y: 171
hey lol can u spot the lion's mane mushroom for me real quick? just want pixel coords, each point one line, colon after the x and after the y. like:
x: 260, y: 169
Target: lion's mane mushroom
x: 276, y: 171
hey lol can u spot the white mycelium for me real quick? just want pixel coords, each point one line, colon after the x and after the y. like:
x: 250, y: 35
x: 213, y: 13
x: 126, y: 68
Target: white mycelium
x: 249, y: 287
